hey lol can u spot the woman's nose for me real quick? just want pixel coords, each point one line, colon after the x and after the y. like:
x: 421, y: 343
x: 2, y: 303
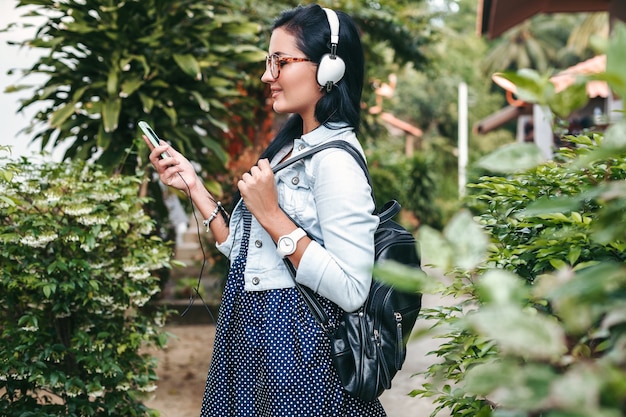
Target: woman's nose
x: 267, y: 76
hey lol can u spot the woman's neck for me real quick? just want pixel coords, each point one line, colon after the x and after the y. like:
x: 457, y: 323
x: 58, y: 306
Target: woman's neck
x: 309, y: 124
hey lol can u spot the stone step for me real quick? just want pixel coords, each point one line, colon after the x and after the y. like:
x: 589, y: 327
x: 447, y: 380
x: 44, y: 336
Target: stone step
x: 188, y: 253
x: 191, y: 237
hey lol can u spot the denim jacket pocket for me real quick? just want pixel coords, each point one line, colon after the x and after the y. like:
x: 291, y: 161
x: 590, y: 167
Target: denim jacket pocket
x: 294, y: 189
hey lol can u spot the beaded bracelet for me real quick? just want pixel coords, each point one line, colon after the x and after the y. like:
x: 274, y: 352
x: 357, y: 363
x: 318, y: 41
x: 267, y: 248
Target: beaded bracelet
x: 219, y: 209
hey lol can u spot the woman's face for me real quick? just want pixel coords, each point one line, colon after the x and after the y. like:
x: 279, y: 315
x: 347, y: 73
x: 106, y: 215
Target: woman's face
x: 296, y: 89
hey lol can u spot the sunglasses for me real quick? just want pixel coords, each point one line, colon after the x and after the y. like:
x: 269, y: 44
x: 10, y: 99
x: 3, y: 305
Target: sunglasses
x: 275, y: 61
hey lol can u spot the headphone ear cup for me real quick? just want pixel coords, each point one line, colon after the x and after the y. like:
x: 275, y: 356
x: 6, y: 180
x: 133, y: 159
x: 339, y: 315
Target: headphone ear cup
x: 330, y: 70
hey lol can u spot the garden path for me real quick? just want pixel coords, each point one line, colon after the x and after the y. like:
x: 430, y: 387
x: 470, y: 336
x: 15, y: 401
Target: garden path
x: 183, y: 366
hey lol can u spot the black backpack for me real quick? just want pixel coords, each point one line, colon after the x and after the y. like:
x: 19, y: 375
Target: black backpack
x: 368, y: 346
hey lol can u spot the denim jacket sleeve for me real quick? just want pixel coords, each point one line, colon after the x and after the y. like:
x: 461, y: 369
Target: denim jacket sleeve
x: 327, y: 195
x: 338, y: 264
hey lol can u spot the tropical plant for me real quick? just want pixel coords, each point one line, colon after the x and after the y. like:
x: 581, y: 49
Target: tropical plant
x: 80, y: 262
x: 189, y: 68
x: 427, y: 97
x: 410, y: 181
x: 176, y: 64
x: 539, y: 270
x: 538, y: 43
x: 181, y: 65
x: 593, y: 25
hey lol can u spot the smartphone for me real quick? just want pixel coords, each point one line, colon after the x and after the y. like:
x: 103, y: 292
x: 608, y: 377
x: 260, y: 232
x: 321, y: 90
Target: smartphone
x: 154, y: 139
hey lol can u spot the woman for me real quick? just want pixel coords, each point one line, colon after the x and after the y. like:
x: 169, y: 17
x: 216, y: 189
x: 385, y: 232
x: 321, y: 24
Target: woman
x: 270, y: 357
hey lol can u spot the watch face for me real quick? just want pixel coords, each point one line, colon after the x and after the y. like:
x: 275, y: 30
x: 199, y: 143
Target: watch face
x: 287, y: 245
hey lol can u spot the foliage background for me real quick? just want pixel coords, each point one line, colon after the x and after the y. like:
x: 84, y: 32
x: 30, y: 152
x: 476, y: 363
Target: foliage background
x: 538, y: 271
x: 80, y: 261
x: 204, y: 96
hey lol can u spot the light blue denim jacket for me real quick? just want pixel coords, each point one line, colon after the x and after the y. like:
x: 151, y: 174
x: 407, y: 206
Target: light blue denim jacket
x: 327, y: 195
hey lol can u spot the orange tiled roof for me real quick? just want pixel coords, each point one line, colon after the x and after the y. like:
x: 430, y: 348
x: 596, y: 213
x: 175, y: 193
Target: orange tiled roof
x: 566, y: 78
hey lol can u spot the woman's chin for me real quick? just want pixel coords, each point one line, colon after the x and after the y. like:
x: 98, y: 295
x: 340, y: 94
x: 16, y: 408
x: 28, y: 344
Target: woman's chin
x: 278, y: 108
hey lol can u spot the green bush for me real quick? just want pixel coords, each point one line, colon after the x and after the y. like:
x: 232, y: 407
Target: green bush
x: 78, y: 258
x: 530, y: 245
x: 410, y: 181
x: 539, y: 274
x: 541, y: 326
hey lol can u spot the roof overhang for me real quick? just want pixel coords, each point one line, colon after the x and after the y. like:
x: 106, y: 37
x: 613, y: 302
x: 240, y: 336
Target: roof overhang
x: 497, y: 16
x: 499, y: 118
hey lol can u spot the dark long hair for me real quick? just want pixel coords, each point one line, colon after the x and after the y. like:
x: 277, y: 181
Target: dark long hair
x: 310, y: 27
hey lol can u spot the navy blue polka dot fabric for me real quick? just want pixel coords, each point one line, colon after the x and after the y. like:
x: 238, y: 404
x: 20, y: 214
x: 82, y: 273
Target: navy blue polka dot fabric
x: 271, y: 359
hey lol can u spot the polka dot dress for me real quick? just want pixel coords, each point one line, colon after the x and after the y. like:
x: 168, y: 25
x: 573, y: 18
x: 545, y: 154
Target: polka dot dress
x: 271, y: 359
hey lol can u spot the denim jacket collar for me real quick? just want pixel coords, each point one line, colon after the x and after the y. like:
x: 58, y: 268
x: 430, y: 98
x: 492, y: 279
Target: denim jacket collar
x: 322, y: 133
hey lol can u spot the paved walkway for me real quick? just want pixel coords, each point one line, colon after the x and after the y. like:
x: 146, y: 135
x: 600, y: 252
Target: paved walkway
x: 396, y: 401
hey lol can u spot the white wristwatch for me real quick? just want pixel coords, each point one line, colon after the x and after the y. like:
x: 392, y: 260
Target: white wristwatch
x: 287, y: 244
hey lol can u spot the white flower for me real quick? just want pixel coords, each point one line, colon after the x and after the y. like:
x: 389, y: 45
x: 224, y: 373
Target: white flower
x: 104, y: 234
x: 29, y: 328
x: 87, y: 248
x: 146, y: 228
x: 52, y: 196
x: 104, y: 300
x: 123, y: 387
x: 141, y: 301
x: 148, y: 388
x: 96, y: 394
x: 38, y: 241
x: 78, y: 210
x: 159, y: 320
x: 130, y: 268
x: 101, y: 265
x: 140, y: 275
x: 91, y: 220
x: 29, y: 187
x: 104, y: 196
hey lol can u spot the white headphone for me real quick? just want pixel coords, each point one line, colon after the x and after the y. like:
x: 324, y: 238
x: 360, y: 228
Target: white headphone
x: 331, y: 67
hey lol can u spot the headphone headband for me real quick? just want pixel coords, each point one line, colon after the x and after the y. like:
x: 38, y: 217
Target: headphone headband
x: 331, y: 68
x: 333, y: 22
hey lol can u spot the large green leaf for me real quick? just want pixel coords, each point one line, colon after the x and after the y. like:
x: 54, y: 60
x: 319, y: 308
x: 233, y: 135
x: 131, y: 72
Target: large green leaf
x: 531, y: 86
x: 498, y: 287
x: 512, y: 158
x: 202, y: 102
x: 462, y: 244
x: 549, y: 204
x: 61, y: 114
x: 112, y: 82
x: 468, y: 240
x: 129, y: 86
x: 405, y: 278
x: 147, y: 102
x: 435, y: 249
x: 111, y: 114
x: 520, y: 332
x: 616, y: 57
x: 614, y: 143
x: 580, y: 300
x: 189, y: 64
x: 501, y: 380
x: 572, y: 98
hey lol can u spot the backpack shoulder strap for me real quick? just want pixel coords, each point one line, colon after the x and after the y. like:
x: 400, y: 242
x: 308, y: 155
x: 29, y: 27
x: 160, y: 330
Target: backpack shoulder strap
x: 341, y: 144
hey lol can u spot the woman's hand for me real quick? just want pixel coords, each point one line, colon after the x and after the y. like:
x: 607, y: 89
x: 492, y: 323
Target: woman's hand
x: 174, y: 170
x: 258, y: 190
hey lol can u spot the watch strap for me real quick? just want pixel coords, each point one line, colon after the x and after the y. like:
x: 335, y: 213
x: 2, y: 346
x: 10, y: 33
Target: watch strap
x: 295, y: 236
